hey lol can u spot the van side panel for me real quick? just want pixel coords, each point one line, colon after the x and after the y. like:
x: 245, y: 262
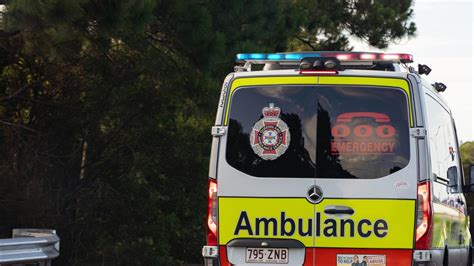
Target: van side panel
x: 450, y: 220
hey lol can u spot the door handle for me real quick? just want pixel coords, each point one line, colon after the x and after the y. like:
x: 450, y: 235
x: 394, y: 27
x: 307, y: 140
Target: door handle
x: 334, y: 210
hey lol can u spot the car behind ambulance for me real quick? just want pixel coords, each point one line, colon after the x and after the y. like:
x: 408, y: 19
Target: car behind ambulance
x: 334, y: 158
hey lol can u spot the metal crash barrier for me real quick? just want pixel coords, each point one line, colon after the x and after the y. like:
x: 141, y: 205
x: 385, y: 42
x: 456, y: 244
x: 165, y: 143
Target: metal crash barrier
x: 29, y: 247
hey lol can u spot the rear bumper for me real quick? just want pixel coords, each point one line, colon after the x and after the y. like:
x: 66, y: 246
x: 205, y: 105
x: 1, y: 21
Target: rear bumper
x: 217, y: 256
x: 431, y: 257
x: 392, y: 257
x: 329, y: 256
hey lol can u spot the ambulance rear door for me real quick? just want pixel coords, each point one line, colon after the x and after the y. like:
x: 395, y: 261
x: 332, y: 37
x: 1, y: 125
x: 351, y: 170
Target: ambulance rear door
x: 266, y: 166
x: 366, y: 172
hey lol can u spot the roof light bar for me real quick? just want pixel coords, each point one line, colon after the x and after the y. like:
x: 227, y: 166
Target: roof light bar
x: 347, y: 57
x: 275, y: 57
x: 389, y: 56
x: 342, y: 56
x: 367, y: 56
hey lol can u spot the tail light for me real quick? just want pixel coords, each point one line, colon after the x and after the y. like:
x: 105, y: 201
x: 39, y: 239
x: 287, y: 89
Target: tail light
x: 212, y: 214
x: 424, y: 218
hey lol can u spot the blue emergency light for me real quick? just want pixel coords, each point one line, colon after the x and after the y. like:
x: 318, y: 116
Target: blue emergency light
x: 275, y: 57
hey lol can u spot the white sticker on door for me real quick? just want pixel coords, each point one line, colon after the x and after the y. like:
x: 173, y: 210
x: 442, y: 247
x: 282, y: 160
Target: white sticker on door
x: 360, y: 260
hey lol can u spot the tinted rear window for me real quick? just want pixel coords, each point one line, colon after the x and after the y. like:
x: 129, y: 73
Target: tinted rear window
x: 362, y: 132
x: 323, y: 132
x: 297, y: 110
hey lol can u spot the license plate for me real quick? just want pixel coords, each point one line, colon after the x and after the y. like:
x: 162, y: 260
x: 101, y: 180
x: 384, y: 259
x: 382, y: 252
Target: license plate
x: 267, y: 255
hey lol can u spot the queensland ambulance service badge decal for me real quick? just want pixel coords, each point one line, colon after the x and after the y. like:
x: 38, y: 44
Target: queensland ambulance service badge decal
x: 270, y: 136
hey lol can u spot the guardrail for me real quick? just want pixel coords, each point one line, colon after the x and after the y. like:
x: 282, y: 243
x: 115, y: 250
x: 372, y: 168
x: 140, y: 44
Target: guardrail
x: 29, y: 246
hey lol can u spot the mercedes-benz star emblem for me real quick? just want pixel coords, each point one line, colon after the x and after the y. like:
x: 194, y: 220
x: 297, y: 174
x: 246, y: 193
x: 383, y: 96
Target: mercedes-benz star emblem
x: 315, y: 194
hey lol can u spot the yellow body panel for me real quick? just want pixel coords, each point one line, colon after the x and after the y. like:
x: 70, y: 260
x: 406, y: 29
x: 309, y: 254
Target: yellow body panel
x: 376, y: 223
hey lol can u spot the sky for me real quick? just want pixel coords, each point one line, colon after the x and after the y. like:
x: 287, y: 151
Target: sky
x: 444, y: 42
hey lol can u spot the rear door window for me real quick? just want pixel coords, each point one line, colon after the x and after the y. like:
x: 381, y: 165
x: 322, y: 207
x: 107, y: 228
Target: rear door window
x: 362, y: 132
x: 315, y: 131
x: 297, y: 105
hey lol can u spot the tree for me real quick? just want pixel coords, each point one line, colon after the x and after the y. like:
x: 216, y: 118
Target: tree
x: 467, y: 155
x: 136, y: 82
x: 327, y: 25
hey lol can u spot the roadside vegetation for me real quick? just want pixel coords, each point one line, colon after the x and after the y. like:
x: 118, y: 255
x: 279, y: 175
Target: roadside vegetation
x: 467, y: 155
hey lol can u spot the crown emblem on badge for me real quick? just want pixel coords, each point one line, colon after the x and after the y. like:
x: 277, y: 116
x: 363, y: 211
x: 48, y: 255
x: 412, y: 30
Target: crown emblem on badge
x: 270, y: 136
x: 271, y: 111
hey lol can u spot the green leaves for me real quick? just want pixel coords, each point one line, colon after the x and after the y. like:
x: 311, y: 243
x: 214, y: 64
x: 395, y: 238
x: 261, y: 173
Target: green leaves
x: 328, y: 25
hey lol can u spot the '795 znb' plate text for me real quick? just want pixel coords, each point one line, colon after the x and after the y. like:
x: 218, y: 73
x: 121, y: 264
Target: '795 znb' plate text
x: 267, y: 255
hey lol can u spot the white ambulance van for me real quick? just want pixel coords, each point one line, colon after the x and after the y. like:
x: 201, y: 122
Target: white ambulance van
x: 334, y: 158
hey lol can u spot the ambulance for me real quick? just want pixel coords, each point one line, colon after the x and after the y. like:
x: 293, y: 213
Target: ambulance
x: 334, y: 159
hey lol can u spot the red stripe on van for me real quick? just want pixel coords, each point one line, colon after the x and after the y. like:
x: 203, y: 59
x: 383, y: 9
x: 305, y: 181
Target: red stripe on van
x: 393, y: 257
x: 309, y: 257
x: 223, y: 256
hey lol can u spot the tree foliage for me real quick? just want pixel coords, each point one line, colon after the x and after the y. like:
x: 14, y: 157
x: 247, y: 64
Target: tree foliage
x: 326, y: 25
x: 106, y: 108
